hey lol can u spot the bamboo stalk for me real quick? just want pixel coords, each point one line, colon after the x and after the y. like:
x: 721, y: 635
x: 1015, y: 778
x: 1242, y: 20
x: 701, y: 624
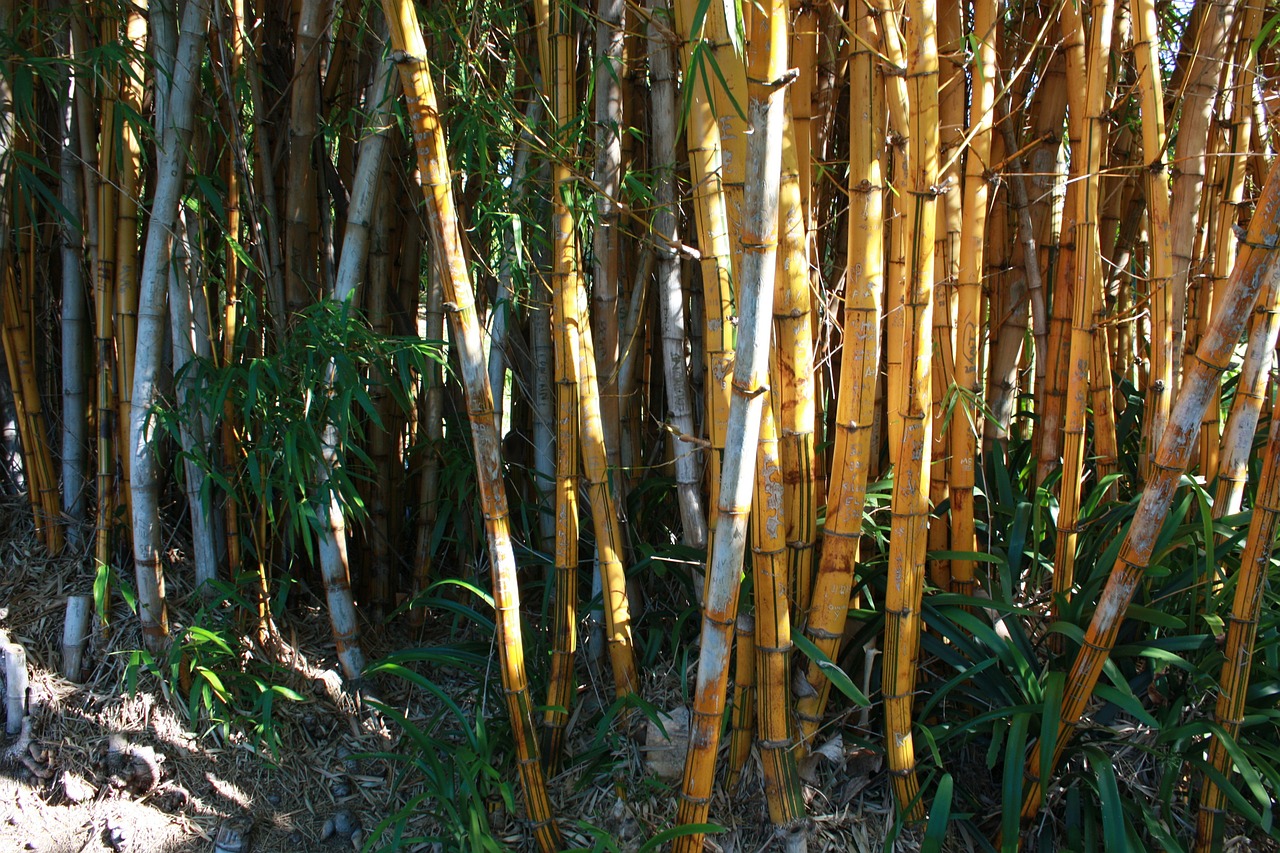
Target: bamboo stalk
x: 909, y: 505
x: 1087, y: 282
x: 75, y: 635
x: 742, y: 720
x: 75, y: 332
x: 766, y: 116
x: 171, y: 170
x: 557, y: 47
x: 1197, y: 101
x: 670, y: 290
x: 1242, y: 633
x: 1159, y: 384
x: 1253, y: 267
x: 706, y: 161
x: 406, y: 37
x: 795, y: 385
x: 966, y: 418
x: 859, y: 368
x: 769, y: 565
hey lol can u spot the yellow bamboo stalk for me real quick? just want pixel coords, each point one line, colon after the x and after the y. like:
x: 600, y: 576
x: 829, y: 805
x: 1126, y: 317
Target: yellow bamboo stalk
x: 557, y: 44
x: 1242, y: 632
x: 127, y: 272
x: 951, y: 151
x: 706, y: 167
x: 859, y: 367
x: 794, y: 383
x: 1088, y: 280
x: 897, y: 103
x: 1256, y: 263
x: 1051, y: 395
x: 769, y: 560
x: 565, y: 619
x: 966, y: 418
x: 1159, y: 386
x: 428, y: 135
x: 910, y: 506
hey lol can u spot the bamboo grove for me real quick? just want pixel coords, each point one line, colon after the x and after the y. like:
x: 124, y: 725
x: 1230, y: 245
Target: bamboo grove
x: 879, y: 326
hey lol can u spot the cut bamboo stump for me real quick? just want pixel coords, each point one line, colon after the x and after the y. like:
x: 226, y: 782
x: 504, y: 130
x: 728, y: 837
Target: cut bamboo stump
x: 75, y: 634
x: 16, y: 685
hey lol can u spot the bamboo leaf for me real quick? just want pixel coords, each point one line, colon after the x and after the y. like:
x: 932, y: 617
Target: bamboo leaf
x: 838, y: 677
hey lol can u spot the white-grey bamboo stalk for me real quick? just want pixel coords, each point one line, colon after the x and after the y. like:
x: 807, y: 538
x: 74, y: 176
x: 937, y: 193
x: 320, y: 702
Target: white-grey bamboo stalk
x: 75, y: 331
x: 75, y: 634
x: 355, y: 252
x: 192, y: 423
x: 500, y: 312
x: 16, y: 684
x: 662, y: 117
x: 171, y: 165
x: 1212, y: 49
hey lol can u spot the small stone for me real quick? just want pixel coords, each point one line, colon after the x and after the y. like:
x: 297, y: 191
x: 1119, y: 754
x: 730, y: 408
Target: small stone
x: 295, y: 838
x: 357, y: 839
x: 275, y: 799
x: 233, y: 835
x: 345, y: 823
x: 326, y: 831
x: 116, y: 837
x: 341, y: 789
x: 665, y: 753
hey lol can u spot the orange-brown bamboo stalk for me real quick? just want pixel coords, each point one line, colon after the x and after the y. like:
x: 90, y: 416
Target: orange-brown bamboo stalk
x: 742, y: 722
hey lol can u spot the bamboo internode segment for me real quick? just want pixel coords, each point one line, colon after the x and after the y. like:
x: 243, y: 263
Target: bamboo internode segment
x: 406, y: 38
x: 1258, y: 262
